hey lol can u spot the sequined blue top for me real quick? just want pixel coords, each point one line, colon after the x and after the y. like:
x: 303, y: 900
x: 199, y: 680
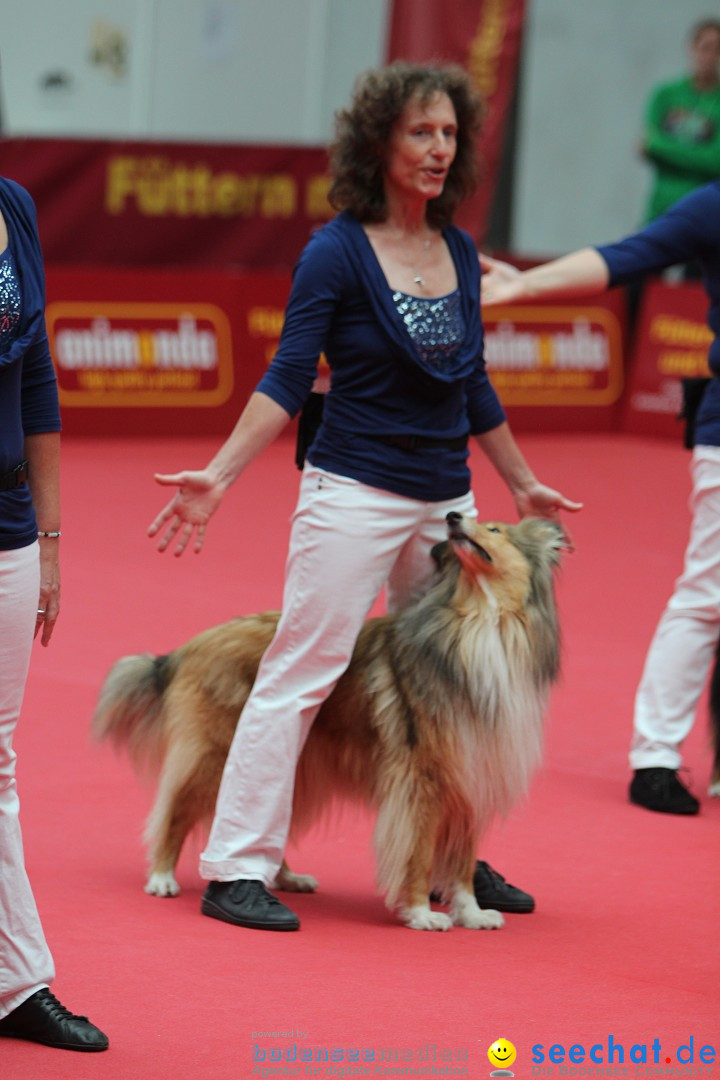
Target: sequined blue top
x: 9, y: 300
x: 28, y: 388
x: 418, y: 371
x: 435, y: 324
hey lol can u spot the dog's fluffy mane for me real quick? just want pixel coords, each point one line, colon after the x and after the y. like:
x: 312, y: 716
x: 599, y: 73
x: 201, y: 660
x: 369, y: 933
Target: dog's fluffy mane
x: 479, y: 675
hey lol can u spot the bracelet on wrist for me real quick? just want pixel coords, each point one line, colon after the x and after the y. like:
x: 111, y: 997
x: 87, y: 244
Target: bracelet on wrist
x: 53, y: 534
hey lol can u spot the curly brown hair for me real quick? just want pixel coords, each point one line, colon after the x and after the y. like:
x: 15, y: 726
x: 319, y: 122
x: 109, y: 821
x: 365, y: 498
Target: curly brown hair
x: 362, y: 132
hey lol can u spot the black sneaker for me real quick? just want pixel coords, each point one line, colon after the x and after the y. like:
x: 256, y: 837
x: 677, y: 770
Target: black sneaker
x: 247, y: 903
x: 42, y: 1019
x: 493, y: 891
x: 662, y: 790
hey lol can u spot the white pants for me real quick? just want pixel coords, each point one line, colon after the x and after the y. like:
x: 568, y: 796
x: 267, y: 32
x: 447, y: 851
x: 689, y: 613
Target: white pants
x: 347, y: 541
x: 25, y: 961
x: 683, y: 647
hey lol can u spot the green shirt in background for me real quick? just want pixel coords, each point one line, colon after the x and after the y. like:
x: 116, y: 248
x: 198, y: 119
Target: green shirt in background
x: 682, y: 140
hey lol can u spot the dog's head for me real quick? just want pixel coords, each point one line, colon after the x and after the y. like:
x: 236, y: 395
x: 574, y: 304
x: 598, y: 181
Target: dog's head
x: 513, y: 562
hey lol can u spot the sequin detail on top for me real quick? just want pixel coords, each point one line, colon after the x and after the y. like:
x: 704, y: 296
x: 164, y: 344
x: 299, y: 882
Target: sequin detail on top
x: 10, y: 301
x: 435, y: 325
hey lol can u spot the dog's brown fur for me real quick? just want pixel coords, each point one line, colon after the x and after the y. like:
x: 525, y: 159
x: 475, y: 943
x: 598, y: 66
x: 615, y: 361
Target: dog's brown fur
x: 436, y: 723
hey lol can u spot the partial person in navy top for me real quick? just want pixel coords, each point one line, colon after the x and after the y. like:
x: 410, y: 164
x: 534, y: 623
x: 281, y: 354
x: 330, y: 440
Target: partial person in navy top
x: 684, y: 643
x: 389, y: 292
x: 29, y: 604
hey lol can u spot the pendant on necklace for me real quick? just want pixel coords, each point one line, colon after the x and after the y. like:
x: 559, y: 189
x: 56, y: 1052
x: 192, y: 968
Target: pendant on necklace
x: 419, y: 280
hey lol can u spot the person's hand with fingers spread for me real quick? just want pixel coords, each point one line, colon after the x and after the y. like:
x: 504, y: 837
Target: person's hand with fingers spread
x: 188, y: 512
x: 501, y: 283
x: 581, y: 273
x: 200, y: 491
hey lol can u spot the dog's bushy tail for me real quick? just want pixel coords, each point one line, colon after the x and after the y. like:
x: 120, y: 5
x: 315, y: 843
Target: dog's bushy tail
x: 129, y: 710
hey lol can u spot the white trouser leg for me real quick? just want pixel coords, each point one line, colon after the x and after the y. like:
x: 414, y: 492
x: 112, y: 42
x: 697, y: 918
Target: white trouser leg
x: 682, y: 648
x: 344, y: 541
x: 25, y: 961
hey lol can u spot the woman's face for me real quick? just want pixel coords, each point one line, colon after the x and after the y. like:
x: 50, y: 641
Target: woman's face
x: 421, y: 148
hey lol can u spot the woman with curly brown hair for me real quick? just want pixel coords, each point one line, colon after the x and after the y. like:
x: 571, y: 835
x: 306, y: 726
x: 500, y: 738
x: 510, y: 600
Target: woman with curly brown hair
x: 389, y: 291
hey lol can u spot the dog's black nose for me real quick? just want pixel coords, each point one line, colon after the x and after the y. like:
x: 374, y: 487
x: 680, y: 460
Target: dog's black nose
x: 453, y: 518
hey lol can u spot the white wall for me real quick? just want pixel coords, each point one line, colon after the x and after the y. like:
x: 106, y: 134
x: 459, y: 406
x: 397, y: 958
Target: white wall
x: 49, y: 84
x: 587, y: 70
x: 276, y: 70
x: 220, y: 70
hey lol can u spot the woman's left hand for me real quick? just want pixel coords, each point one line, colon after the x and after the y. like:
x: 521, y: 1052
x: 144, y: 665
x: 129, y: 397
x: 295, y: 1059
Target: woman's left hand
x: 49, y: 598
x: 532, y: 499
x: 537, y: 500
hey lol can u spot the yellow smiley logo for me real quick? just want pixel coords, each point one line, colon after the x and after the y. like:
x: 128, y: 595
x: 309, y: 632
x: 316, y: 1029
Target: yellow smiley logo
x: 502, y: 1054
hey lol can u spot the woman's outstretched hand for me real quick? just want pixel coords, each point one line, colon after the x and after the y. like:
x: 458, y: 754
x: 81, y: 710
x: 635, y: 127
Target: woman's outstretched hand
x: 500, y: 283
x: 539, y: 500
x: 189, y: 511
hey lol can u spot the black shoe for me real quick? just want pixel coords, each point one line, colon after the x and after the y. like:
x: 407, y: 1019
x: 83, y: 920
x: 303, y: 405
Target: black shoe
x: 493, y: 891
x: 247, y: 903
x: 662, y: 790
x: 42, y: 1019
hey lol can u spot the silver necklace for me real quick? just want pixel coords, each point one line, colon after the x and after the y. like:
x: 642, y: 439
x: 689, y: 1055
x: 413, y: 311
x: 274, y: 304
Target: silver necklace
x: 418, y: 278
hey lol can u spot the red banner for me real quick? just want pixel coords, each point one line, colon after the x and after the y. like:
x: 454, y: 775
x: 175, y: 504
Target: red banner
x: 558, y: 366
x: 485, y: 36
x: 160, y: 204
x: 672, y: 341
x: 150, y: 352
x: 160, y: 353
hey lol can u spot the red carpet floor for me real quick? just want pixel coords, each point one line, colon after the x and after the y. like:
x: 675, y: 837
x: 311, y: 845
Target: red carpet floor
x: 623, y: 946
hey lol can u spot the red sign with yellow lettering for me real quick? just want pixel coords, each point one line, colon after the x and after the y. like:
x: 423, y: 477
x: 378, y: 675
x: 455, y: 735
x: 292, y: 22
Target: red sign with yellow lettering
x: 171, y: 204
x: 160, y: 353
x: 672, y: 341
x: 558, y: 365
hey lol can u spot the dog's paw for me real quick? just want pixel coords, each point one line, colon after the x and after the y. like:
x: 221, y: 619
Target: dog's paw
x: 465, y: 911
x: 714, y: 789
x: 482, y: 919
x: 288, y: 881
x: 422, y: 918
x: 162, y: 883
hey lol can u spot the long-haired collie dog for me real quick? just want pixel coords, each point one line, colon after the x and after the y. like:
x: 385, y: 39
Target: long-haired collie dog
x: 436, y: 724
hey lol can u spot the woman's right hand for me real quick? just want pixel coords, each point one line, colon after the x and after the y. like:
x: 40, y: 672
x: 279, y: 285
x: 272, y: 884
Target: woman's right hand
x: 189, y: 511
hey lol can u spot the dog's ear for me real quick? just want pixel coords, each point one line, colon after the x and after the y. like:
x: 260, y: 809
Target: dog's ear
x: 539, y: 539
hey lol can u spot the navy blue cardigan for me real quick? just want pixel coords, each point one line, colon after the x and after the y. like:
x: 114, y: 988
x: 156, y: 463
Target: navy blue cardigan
x: 28, y: 387
x: 341, y: 304
x: 689, y: 231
